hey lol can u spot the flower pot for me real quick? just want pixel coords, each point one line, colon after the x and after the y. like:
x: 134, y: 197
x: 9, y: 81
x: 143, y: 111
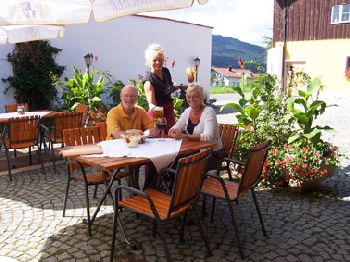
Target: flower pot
x: 305, y: 185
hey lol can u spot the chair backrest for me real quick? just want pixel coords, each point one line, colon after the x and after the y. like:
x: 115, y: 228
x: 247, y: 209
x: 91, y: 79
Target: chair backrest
x: 83, y: 109
x: 81, y: 136
x: 253, y: 167
x: 188, y: 179
x: 13, y: 107
x: 65, y: 120
x: 228, y: 134
x: 23, y: 130
x: 103, y: 130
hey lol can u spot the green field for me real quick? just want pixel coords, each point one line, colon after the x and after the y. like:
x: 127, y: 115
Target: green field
x: 224, y: 90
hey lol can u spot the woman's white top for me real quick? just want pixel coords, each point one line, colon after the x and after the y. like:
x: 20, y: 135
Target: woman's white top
x: 207, y: 126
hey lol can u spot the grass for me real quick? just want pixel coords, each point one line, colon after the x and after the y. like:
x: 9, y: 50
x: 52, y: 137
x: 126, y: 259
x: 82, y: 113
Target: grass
x: 225, y: 90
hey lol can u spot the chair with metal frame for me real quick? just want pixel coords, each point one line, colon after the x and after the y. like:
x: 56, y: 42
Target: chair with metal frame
x: 54, y: 134
x: 22, y: 132
x: 13, y: 107
x: 78, y: 137
x: 163, y: 207
x: 230, y: 191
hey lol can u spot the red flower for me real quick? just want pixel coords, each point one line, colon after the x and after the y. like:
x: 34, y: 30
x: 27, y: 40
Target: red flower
x: 324, y: 172
x: 304, y: 165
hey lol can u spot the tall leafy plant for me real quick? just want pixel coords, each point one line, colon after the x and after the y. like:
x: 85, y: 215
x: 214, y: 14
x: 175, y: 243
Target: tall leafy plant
x: 305, y: 109
x: 83, y: 89
x: 33, y: 64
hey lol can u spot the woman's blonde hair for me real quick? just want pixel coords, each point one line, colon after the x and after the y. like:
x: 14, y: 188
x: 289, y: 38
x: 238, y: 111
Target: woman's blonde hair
x: 196, y: 87
x: 153, y: 50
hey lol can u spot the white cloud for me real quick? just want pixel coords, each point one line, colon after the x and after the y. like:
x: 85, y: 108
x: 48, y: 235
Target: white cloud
x: 247, y: 20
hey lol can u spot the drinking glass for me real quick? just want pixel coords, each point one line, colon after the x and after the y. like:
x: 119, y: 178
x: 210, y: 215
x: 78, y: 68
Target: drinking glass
x: 161, y: 124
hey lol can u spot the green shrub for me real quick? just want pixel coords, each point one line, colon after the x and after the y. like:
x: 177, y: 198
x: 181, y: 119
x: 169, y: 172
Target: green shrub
x: 33, y: 65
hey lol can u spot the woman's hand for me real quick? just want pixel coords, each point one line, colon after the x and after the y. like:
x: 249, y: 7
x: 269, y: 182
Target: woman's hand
x: 177, y: 134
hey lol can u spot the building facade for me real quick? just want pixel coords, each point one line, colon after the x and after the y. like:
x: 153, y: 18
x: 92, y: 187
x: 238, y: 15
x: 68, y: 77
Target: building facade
x: 312, y: 36
x: 120, y: 44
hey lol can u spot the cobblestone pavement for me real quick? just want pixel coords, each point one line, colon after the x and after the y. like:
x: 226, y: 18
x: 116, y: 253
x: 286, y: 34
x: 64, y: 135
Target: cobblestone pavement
x: 308, y: 227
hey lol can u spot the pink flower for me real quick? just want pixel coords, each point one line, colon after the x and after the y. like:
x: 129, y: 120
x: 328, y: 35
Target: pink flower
x: 275, y: 151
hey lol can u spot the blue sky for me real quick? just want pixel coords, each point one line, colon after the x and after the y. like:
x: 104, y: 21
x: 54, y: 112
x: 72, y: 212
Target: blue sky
x: 247, y: 20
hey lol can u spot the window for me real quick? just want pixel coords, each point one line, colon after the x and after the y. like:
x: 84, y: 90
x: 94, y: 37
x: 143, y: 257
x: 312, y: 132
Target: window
x: 340, y: 14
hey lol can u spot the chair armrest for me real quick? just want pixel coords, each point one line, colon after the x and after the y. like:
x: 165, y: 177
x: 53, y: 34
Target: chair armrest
x: 138, y: 192
x: 235, y: 161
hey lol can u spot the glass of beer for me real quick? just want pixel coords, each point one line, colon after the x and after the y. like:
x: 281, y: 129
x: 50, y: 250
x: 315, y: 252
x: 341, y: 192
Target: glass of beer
x: 158, y: 112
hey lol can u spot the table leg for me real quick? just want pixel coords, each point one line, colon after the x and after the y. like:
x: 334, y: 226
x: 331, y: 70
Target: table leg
x: 108, y: 191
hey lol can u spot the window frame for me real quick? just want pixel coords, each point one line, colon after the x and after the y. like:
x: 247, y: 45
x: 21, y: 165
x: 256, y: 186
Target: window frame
x: 340, y: 14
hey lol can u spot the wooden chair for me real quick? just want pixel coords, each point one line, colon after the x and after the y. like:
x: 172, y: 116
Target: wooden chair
x: 13, y: 107
x: 54, y: 134
x: 22, y: 133
x: 77, y: 137
x: 84, y: 110
x: 229, y: 134
x: 217, y: 187
x: 163, y: 207
x: 103, y: 130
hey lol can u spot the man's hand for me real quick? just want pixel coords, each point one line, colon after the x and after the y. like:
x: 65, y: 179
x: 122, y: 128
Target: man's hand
x: 118, y: 134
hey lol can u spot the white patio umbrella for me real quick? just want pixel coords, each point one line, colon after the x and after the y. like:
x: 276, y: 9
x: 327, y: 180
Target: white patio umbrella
x: 60, y: 12
x: 12, y: 34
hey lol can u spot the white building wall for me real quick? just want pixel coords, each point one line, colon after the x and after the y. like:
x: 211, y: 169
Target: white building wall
x: 120, y: 46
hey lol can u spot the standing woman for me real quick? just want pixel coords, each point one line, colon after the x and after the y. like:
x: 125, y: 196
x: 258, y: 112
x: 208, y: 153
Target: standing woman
x: 157, y: 80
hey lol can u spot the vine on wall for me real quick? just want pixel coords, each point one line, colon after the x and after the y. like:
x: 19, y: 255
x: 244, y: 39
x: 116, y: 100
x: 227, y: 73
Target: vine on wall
x: 33, y: 64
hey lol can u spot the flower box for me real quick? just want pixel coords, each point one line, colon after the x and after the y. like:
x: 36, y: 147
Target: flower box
x: 305, y: 185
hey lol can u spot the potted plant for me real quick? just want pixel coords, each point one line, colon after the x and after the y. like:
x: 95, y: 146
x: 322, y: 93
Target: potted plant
x: 298, y: 156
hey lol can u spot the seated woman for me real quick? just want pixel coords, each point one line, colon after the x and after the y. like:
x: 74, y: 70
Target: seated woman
x: 198, y: 121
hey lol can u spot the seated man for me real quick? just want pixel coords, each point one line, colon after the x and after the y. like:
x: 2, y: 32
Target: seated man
x: 128, y: 115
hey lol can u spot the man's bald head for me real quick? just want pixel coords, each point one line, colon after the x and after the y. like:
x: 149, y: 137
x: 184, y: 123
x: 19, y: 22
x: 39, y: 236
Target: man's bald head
x: 129, y: 90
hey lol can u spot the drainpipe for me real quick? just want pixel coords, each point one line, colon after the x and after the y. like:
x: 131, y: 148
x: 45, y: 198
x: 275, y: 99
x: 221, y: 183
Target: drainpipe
x: 285, y: 25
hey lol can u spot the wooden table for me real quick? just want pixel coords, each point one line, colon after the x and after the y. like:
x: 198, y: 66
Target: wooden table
x: 109, y: 164
x: 114, y: 164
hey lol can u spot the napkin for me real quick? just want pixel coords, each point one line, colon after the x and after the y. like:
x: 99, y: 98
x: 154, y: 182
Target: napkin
x: 82, y: 150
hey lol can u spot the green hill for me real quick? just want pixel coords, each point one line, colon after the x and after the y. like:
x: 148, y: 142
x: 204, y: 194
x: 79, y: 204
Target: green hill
x: 227, y: 50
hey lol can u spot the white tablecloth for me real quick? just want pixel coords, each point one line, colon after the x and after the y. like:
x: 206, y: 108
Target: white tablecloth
x: 15, y: 114
x: 161, y: 153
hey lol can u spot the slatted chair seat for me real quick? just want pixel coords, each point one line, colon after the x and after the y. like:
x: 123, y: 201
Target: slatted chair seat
x: 97, y: 178
x: 217, y: 187
x: 213, y: 187
x: 163, y: 207
x: 161, y: 202
x: 18, y: 145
